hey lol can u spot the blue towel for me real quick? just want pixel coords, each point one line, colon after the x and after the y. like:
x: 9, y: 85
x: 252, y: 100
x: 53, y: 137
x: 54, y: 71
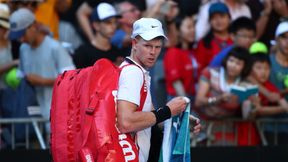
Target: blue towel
x: 176, y: 139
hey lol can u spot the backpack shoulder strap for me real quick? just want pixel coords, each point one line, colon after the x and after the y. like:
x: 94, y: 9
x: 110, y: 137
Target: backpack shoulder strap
x: 143, y: 91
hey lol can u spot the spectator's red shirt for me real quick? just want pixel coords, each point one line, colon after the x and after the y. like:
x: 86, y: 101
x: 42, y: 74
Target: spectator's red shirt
x: 271, y: 88
x: 246, y: 128
x: 178, y: 65
x: 205, y: 55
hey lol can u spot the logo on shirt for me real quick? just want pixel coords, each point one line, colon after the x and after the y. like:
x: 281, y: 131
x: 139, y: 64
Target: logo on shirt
x: 152, y: 26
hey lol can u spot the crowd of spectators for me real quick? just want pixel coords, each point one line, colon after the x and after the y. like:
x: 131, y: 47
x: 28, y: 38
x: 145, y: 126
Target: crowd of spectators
x: 213, y: 45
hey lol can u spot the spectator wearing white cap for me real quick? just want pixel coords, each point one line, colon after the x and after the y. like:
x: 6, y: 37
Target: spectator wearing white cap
x: 133, y: 117
x: 278, y: 76
x: 42, y: 58
x: 104, y: 24
x: 83, y: 13
x: 279, y: 60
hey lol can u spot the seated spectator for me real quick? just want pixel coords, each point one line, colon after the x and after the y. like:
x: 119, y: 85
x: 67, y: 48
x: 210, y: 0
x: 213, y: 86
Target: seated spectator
x: 218, y: 38
x: 213, y: 98
x: 243, y: 34
x: 104, y: 18
x: 259, y: 106
x: 180, y: 64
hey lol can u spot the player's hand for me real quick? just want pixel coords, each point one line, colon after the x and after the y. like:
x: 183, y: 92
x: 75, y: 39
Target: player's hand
x: 177, y: 105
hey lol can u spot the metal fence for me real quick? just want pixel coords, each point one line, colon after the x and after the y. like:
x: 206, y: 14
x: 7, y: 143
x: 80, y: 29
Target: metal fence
x: 8, y: 127
x: 206, y: 138
x: 226, y: 127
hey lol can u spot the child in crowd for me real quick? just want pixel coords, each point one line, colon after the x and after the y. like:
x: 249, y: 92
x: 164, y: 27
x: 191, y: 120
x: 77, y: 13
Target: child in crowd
x: 243, y: 34
x: 259, y: 106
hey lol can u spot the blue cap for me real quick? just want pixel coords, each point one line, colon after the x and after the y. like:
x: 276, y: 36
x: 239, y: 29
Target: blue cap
x: 218, y: 7
x: 20, y: 20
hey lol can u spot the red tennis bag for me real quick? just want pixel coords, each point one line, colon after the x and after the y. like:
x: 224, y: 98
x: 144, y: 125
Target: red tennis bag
x: 83, y: 117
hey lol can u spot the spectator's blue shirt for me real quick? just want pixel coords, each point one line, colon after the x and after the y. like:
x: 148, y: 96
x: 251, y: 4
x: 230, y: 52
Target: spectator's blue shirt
x: 277, y: 74
x: 217, y: 60
x: 118, y: 37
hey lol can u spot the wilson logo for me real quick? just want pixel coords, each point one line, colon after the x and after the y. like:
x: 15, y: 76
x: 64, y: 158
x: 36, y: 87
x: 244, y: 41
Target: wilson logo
x: 128, y: 152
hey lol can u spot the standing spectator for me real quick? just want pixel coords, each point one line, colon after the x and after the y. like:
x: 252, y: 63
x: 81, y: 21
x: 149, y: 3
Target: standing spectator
x: 104, y: 18
x: 148, y: 37
x: 41, y: 57
x: 180, y: 64
x: 6, y: 62
x: 165, y: 11
x: 279, y: 70
x: 243, y: 34
x: 84, y: 12
x: 130, y: 13
x: 267, y: 14
x: 218, y: 38
x: 213, y: 98
x: 237, y: 8
x: 46, y: 12
x: 279, y: 60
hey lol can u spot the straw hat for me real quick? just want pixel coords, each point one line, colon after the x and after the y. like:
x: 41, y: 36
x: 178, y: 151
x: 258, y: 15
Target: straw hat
x: 4, y: 16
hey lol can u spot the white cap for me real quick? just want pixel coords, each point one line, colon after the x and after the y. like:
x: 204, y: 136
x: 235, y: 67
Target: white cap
x: 281, y: 28
x: 103, y: 11
x: 148, y: 29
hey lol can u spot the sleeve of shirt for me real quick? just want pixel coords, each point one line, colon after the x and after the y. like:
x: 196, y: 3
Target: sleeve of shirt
x: 23, y: 64
x: 171, y: 65
x: 62, y: 59
x: 202, y: 25
x: 272, y: 88
x: 130, y: 84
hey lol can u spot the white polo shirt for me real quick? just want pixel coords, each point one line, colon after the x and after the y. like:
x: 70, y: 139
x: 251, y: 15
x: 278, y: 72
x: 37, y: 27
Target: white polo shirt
x: 130, y: 84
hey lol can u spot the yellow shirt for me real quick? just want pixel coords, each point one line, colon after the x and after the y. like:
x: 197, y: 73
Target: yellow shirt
x: 47, y: 15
